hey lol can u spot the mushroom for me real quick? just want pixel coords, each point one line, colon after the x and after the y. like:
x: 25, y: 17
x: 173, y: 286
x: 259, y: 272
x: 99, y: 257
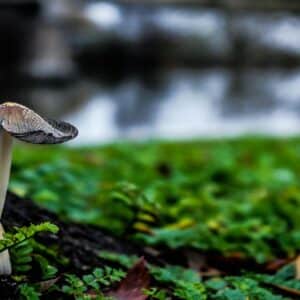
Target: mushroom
x: 22, y: 123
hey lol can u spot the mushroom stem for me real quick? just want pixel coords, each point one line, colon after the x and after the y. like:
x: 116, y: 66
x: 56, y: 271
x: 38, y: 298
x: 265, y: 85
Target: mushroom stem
x: 5, y: 265
x: 5, y: 165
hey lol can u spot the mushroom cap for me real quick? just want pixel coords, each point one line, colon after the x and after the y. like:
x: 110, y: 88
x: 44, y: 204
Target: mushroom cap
x: 26, y: 125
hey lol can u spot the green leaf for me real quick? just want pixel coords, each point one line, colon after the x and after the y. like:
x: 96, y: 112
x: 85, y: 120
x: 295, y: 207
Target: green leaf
x: 29, y: 292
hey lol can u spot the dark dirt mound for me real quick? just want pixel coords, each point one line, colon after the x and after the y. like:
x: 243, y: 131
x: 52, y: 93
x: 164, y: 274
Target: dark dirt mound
x: 79, y: 243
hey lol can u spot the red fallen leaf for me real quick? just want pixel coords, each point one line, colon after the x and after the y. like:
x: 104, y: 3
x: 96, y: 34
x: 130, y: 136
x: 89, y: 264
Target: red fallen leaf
x: 47, y: 284
x: 132, y: 286
x: 275, y: 265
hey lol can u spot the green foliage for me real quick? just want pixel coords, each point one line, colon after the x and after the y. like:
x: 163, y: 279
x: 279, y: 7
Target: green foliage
x: 51, y: 253
x: 126, y: 261
x: 79, y: 287
x: 285, y: 277
x: 190, y: 291
x: 87, y: 287
x: 21, y: 245
x: 48, y: 271
x: 75, y: 287
x: 156, y: 294
x: 29, y: 292
x: 174, y: 274
x: 255, y: 286
x: 21, y: 256
x: 105, y: 276
x: 227, y: 195
x: 238, y: 288
x: 186, y: 284
x: 22, y: 234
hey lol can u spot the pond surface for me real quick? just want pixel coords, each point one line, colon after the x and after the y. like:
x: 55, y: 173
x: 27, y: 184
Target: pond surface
x: 188, y: 103
x: 232, y: 96
x: 128, y: 71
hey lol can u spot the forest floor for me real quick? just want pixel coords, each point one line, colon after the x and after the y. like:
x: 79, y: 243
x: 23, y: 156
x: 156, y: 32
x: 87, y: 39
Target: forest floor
x: 176, y: 220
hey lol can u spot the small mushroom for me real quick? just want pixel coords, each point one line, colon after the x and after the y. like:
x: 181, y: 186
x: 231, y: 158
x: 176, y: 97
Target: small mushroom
x: 20, y: 122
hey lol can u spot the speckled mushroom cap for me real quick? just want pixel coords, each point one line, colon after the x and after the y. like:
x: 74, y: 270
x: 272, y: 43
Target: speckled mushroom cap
x: 26, y: 125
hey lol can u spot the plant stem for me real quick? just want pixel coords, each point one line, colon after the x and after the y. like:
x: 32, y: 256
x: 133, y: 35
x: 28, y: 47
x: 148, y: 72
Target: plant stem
x: 6, y: 143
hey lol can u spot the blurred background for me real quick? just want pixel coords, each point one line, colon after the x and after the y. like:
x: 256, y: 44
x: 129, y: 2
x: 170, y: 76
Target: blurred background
x: 155, y: 68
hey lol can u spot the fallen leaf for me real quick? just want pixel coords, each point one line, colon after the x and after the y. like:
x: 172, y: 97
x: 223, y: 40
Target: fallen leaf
x: 47, y: 284
x: 132, y: 286
x: 277, y: 264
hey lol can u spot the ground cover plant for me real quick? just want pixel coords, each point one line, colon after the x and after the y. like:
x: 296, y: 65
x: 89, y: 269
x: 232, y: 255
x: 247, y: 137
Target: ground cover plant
x: 213, y: 219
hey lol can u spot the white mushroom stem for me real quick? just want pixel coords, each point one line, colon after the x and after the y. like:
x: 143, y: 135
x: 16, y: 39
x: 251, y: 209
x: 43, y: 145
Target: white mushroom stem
x: 6, y: 143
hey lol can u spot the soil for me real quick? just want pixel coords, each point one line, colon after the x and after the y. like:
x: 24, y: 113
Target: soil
x: 80, y: 243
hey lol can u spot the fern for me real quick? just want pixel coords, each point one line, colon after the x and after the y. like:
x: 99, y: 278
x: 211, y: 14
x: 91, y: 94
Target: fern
x: 189, y: 291
x: 105, y: 276
x: 79, y: 287
x: 185, y: 283
x: 21, y: 256
x: 156, y: 294
x: 21, y: 246
x: 74, y: 287
x: 22, y: 234
x: 48, y: 271
x: 29, y: 292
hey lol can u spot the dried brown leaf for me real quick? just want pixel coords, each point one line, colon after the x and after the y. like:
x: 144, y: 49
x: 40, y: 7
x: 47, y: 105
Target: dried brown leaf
x: 132, y: 286
x: 277, y: 264
x: 47, y: 284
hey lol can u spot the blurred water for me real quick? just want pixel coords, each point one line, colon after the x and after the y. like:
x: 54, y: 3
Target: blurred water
x: 188, y: 103
x: 129, y: 71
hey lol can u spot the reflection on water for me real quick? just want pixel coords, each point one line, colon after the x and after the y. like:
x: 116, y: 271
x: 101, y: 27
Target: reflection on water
x: 96, y: 120
x: 188, y: 103
x: 178, y: 103
x: 278, y: 35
